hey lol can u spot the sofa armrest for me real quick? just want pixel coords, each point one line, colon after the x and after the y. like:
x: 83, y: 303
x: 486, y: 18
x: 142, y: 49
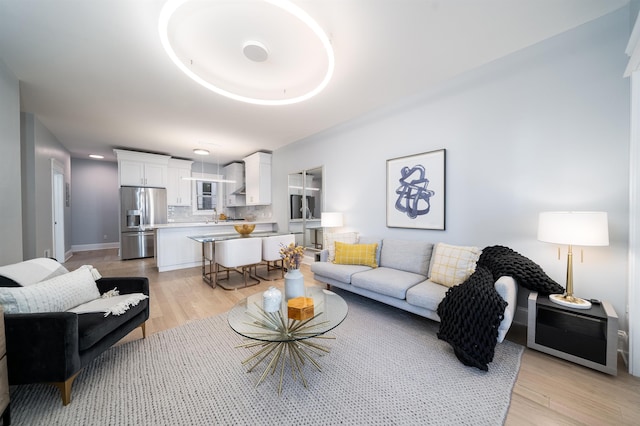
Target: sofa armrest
x: 125, y: 285
x: 507, y: 288
x: 41, y: 347
x: 324, y: 255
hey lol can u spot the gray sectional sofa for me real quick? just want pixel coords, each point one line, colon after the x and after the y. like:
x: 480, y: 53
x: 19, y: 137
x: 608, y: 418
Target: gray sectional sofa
x: 402, y: 279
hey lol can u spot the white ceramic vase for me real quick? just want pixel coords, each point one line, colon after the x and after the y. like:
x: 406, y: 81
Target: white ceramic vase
x: 271, y: 300
x: 293, y: 284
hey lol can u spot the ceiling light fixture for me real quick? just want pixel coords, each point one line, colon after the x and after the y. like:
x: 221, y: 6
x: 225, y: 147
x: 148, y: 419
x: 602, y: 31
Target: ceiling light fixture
x: 253, y: 50
x: 203, y: 152
x: 96, y: 156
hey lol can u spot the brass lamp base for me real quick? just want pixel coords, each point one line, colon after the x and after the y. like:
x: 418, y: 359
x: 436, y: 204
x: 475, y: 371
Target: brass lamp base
x: 570, y: 301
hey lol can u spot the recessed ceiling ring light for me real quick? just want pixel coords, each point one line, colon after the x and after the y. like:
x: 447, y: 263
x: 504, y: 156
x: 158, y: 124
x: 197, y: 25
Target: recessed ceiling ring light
x: 255, y: 51
x: 171, y: 6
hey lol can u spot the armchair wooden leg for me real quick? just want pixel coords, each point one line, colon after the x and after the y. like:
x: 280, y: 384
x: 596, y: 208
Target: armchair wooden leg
x: 65, y: 388
x: 143, y: 326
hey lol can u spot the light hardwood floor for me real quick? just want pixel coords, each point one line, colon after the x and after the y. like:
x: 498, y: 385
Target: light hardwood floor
x: 548, y: 391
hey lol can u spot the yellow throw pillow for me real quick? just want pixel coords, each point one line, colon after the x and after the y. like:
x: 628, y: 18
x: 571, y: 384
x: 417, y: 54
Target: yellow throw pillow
x: 356, y: 254
x: 452, y: 265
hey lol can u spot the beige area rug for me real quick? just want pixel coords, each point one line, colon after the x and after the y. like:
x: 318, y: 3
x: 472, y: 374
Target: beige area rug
x: 386, y: 367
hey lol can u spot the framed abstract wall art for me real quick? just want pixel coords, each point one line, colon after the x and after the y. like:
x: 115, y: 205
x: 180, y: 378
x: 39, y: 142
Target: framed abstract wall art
x: 416, y: 191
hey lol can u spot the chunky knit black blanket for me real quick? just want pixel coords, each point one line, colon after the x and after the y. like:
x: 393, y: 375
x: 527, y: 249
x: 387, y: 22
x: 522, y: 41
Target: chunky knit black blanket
x: 471, y: 312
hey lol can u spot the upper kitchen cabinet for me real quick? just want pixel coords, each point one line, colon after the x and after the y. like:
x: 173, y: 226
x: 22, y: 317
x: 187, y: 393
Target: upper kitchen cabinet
x: 178, y: 185
x: 257, y: 171
x: 234, y: 191
x: 142, y: 169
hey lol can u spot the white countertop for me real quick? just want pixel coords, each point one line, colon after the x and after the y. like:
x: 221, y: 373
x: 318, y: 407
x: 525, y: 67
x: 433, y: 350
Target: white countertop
x: 210, y: 223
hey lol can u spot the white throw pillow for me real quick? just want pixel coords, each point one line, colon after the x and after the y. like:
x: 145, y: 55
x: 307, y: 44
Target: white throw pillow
x: 33, y: 271
x: 452, y: 265
x: 330, y: 238
x: 55, y: 295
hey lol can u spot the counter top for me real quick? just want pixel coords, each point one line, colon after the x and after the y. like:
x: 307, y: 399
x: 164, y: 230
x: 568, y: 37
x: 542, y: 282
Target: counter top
x: 210, y: 223
x: 209, y: 238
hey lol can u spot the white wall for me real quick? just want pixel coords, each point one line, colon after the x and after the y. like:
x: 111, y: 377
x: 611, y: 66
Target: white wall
x: 546, y: 128
x: 11, y: 223
x: 39, y: 147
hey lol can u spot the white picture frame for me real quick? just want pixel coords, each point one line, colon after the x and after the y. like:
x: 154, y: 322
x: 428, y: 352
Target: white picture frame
x: 416, y: 191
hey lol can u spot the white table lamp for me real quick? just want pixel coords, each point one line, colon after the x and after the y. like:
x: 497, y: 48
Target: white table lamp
x: 573, y: 228
x: 330, y: 220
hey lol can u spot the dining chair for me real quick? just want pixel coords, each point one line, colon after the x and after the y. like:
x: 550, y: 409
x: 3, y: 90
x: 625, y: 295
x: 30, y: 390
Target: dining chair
x: 239, y: 255
x: 271, y: 254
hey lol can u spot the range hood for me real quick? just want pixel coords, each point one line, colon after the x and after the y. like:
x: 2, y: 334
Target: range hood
x: 240, y: 191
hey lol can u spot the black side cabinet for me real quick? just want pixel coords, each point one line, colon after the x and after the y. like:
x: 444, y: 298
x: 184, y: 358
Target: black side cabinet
x: 587, y: 337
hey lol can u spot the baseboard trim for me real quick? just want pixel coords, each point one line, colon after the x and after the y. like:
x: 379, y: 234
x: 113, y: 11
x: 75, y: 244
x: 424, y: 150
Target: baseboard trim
x: 90, y: 247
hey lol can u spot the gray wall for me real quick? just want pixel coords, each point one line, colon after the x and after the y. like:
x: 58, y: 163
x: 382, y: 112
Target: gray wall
x: 10, y: 194
x: 94, y: 204
x: 39, y: 147
x: 546, y: 128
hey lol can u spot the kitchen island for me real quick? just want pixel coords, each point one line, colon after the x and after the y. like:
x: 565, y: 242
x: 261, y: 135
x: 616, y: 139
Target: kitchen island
x: 175, y: 250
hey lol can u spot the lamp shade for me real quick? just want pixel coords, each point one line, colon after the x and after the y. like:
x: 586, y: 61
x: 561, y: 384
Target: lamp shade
x: 575, y: 228
x: 331, y: 219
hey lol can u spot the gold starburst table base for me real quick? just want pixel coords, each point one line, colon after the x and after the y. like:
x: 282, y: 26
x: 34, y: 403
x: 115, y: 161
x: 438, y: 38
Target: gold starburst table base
x: 279, y: 355
x: 285, y: 344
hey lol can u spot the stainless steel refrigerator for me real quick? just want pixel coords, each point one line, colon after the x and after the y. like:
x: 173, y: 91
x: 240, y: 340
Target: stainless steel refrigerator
x: 140, y: 210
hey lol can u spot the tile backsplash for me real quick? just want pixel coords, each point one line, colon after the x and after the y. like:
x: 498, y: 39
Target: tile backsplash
x: 184, y: 214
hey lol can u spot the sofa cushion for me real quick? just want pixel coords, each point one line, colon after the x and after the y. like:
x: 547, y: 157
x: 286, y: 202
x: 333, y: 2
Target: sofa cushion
x: 426, y: 294
x: 387, y: 281
x: 507, y: 288
x: 31, y: 271
x: 329, y: 238
x: 452, y: 265
x: 337, y: 272
x: 93, y: 327
x: 406, y: 255
x: 356, y: 254
x: 55, y: 295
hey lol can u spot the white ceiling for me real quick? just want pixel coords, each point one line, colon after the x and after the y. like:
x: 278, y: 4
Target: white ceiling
x: 96, y: 75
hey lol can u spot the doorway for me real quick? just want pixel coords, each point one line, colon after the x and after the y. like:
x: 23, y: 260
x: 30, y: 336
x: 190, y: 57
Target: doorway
x: 58, y: 204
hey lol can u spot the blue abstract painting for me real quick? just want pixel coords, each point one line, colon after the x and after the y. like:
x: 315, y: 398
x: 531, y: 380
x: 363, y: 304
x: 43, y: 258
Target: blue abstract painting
x: 415, y: 191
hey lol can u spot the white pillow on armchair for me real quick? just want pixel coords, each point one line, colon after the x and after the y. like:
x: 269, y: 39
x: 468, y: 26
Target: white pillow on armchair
x: 55, y: 295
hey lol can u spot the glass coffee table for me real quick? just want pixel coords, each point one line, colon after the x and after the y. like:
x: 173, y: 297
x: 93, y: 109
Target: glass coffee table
x: 283, y: 342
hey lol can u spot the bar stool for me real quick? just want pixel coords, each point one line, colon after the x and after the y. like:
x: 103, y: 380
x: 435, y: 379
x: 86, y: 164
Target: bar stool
x: 271, y: 253
x: 239, y: 255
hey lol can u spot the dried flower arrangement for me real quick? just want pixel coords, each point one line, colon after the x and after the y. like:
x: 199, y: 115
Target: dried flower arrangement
x: 292, y: 255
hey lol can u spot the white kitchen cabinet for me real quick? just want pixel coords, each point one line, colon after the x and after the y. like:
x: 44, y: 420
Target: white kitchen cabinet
x: 257, y: 171
x: 179, y: 188
x: 142, y: 169
x: 234, y: 192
